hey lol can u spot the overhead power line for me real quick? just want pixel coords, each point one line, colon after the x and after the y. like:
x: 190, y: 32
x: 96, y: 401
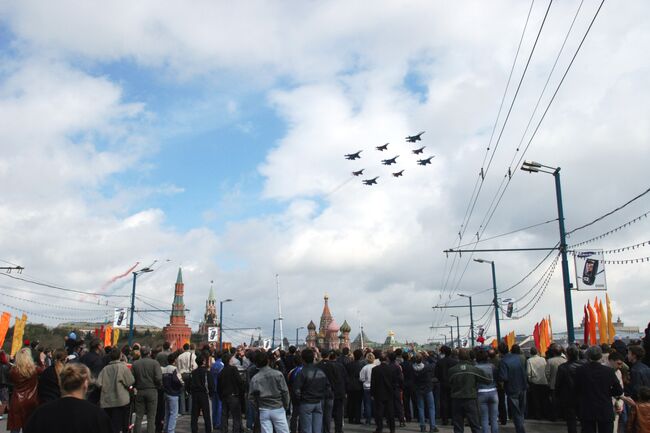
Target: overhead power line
x: 52, y: 286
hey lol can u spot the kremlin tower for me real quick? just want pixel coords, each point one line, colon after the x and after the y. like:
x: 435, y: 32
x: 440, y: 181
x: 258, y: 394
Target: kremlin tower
x: 177, y: 332
x: 210, y: 316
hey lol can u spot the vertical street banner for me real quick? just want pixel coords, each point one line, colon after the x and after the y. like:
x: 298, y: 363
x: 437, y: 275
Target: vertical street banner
x: 213, y: 334
x: 590, y: 270
x: 119, y: 318
x: 108, y: 336
x: 19, y: 331
x: 5, y: 321
x: 116, y: 336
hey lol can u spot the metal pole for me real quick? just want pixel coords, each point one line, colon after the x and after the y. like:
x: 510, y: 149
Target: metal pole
x: 277, y: 286
x: 220, y: 326
x: 565, y: 264
x: 273, y: 335
x: 297, y: 337
x: 496, y: 303
x: 458, y: 332
x: 451, y: 331
x: 471, y: 320
x: 132, y: 311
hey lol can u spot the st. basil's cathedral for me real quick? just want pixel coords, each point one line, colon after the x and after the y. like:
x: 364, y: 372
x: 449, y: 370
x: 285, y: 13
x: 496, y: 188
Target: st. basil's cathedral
x: 330, y: 336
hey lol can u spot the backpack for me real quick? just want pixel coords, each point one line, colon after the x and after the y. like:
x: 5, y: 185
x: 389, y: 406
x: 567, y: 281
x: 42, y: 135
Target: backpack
x: 171, y: 384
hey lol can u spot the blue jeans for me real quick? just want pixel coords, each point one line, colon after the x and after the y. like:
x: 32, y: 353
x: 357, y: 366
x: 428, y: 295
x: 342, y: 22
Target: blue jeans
x: 216, y: 412
x: 171, y: 413
x: 489, y: 404
x: 273, y: 419
x: 421, y: 397
x: 250, y: 414
x: 367, y: 405
x: 311, y: 417
x: 517, y: 406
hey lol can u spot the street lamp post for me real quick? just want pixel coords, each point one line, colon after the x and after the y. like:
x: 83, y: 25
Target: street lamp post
x: 451, y: 332
x: 471, y: 316
x: 273, y: 334
x: 496, y: 301
x: 135, y: 276
x: 221, y: 322
x: 445, y: 336
x: 535, y: 167
x: 457, y: 330
x: 297, y: 330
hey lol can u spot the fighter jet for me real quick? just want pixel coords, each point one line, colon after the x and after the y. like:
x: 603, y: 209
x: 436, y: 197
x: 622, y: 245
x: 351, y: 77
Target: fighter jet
x: 398, y: 174
x: 418, y: 151
x: 414, y: 138
x: 353, y: 156
x: 425, y: 161
x: 358, y: 173
x: 382, y: 148
x: 390, y: 161
x: 370, y: 181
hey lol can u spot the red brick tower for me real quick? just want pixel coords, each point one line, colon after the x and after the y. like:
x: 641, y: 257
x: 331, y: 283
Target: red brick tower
x: 177, y: 332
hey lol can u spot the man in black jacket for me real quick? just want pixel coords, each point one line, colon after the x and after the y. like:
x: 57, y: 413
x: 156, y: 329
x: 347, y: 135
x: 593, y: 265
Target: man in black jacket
x: 410, y: 403
x: 595, y: 385
x: 382, y: 387
x: 565, y: 387
x: 230, y: 388
x: 355, y: 387
x: 202, y: 389
x: 311, y: 388
x: 333, y: 408
x: 442, y: 373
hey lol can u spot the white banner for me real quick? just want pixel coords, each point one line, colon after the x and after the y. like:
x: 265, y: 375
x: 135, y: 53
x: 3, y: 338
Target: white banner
x: 213, y: 334
x: 119, y: 319
x: 590, y: 270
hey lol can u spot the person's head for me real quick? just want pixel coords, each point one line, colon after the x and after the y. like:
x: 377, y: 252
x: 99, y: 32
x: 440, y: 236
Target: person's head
x: 292, y: 350
x: 332, y: 356
x: 262, y: 359
x: 635, y: 354
x: 418, y: 359
x: 533, y: 351
x: 225, y: 358
x: 616, y: 360
x: 346, y: 351
x: 25, y: 362
x: 358, y: 354
x: 166, y: 346
x: 555, y: 350
x: 171, y: 358
x: 644, y: 394
x: 378, y: 353
x: 445, y: 350
x: 186, y: 347
x: 463, y: 355
x: 481, y: 356
x: 60, y: 356
x: 503, y: 348
x: 135, y: 354
x: 145, y: 351
x: 297, y: 359
x: 572, y: 353
x: 398, y: 352
x: 307, y: 356
x: 392, y: 356
x: 74, y: 379
x: 115, y: 354
x: 515, y: 349
x: 370, y: 358
x: 94, y: 345
x: 594, y: 354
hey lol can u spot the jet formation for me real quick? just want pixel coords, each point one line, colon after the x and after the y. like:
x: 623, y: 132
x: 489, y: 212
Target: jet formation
x: 390, y: 161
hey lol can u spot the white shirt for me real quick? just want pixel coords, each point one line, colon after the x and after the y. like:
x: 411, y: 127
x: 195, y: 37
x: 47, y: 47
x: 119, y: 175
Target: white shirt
x: 186, y: 362
x: 365, y: 375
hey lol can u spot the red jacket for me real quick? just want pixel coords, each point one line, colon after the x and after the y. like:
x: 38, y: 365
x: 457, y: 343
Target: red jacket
x: 24, y: 398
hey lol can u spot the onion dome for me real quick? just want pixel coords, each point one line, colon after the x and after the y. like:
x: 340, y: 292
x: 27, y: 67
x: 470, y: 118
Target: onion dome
x: 345, y: 327
x: 311, y: 326
x: 333, y: 327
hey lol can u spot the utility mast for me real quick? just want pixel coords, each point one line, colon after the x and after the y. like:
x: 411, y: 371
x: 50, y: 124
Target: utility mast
x: 277, y: 286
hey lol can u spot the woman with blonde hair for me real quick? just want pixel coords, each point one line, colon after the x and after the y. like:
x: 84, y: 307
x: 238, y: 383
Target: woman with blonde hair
x: 24, y: 398
x: 71, y: 413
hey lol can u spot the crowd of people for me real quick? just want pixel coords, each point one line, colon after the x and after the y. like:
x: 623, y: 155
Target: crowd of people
x: 87, y: 387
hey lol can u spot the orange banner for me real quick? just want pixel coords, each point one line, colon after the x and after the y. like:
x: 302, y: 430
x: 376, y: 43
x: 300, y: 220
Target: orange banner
x: 19, y: 331
x: 610, y: 321
x: 108, y: 336
x: 116, y: 336
x: 4, y: 327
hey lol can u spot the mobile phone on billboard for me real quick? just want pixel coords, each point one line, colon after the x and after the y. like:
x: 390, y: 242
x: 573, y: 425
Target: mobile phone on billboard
x: 590, y: 271
x: 120, y: 318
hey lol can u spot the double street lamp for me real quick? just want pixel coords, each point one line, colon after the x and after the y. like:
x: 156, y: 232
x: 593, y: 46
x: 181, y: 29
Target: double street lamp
x: 536, y: 167
x: 135, y: 276
x: 495, y: 300
x: 221, y: 322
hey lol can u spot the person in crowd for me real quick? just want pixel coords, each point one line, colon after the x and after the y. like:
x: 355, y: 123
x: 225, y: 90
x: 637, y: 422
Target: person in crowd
x: 565, y: 387
x: 295, y: 402
x: 94, y: 360
x: 115, y: 381
x: 639, y: 372
x: 552, y: 365
x: 201, y: 390
x: 252, y: 418
x: 217, y: 409
x: 488, y: 398
x: 408, y: 398
x: 163, y: 356
x: 269, y: 390
x: 536, y: 370
x: 646, y: 346
x: 442, y: 373
x: 355, y: 387
x: 24, y: 397
x: 463, y: 383
x: 365, y: 376
x: 595, y: 386
x: 148, y: 379
x: 423, y: 376
x: 72, y: 413
x: 311, y: 387
x: 382, y: 387
x: 639, y: 419
x: 49, y: 386
x: 513, y: 376
x: 503, y: 413
x: 186, y: 363
x: 230, y: 388
x: 172, y: 389
x: 333, y: 407
x: 395, y: 359
x: 4, y: 383
x: 615, y: 360
x: 160, y: 354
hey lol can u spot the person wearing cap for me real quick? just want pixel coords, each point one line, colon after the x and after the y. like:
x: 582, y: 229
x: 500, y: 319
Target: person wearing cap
x: 595, y: 386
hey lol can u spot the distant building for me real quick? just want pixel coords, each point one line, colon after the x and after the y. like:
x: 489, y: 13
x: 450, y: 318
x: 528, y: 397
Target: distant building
x: 177, y: 332
x: 328, y: 336
x: 210, y: 315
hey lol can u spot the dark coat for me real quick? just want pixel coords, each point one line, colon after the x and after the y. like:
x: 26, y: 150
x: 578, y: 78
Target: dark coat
x: 382, y: 382
x: 94, y: 361
x: 513, y: 373
x: 565, y: 382
x: 423, y: 378
x: 353, y: 370
x: 200, y: 383
x: 336, y: 374
x: 595, y: 385
x: 639, y: 376
x: 442, y: 370
x: 311, y: 385
x: 48, y: 386
x: 229, y: 382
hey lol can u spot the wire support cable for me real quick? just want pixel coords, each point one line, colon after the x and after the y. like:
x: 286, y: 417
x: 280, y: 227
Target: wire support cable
x: 612, y: 231
x: 52, y: 286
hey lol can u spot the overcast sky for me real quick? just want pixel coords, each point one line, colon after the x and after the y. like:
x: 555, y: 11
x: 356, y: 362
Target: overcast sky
x: 211, y: 136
